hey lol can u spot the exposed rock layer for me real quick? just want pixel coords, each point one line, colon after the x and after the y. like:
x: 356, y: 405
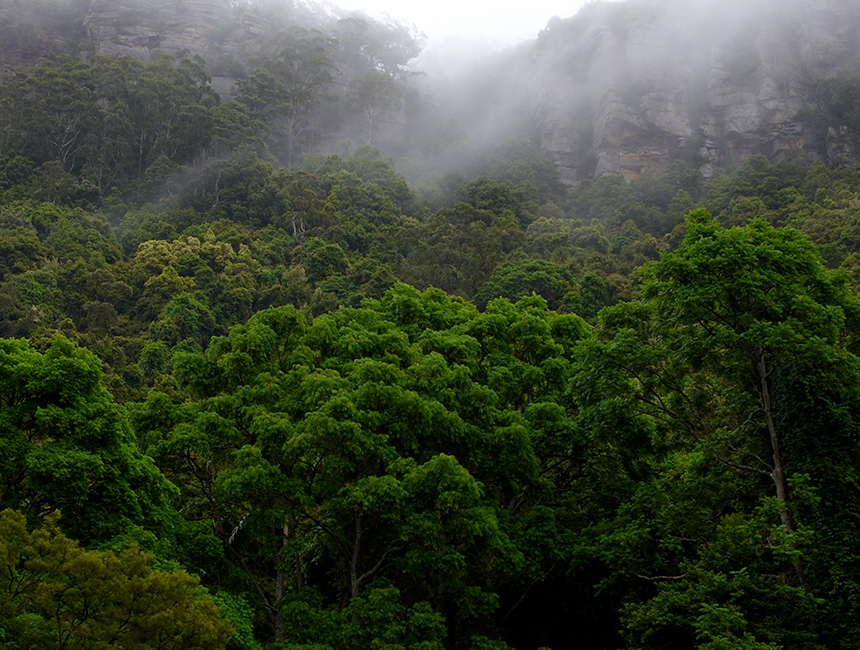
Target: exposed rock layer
x: 628, y: 87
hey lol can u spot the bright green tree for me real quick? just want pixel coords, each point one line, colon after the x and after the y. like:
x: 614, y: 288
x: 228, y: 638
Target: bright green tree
x: 67, y: 447
x: 375, y: 453
x: 740, y: 352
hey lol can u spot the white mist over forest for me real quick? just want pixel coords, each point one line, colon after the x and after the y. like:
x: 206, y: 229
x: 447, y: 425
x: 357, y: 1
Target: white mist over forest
x: 484, y: 21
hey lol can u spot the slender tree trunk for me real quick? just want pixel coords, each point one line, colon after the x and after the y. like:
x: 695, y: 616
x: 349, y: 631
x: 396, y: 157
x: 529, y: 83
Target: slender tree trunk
x: 291, y: 137
x: 778, y: 473
x: 140, y: 153
x: 287, y: 533
x: 300, y: 578
x: 290, y: 533
x: 354, y: 582
x: 279, y: 581
x: 298, y: 230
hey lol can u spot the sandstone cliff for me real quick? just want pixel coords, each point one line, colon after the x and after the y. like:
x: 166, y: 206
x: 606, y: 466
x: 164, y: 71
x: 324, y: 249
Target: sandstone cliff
x: 628, y: 87
x: 128, y: 27
x: 212, y: 29
x: 216, y: 30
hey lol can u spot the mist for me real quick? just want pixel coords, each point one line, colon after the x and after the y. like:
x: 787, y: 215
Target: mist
x: 629, y: 87
x: 478, y: 21
x: 615, y: 88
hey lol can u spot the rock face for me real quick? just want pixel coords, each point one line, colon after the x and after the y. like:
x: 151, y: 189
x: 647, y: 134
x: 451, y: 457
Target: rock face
x: 210, y: 29
x: 125, y: 27
x: 221, y: 34
x: 629, y: 87
x: 142, y: 30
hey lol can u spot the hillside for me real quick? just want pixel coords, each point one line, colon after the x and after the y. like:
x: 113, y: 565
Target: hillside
x: 619, y: 88
x: 301, y: 349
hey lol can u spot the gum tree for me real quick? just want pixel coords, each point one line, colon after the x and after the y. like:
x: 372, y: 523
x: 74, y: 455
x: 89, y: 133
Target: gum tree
x: 741, y: 354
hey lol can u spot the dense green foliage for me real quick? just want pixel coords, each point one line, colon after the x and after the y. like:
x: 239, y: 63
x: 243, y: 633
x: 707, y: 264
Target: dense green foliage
x: 350, y: 462
x: 478, y: 412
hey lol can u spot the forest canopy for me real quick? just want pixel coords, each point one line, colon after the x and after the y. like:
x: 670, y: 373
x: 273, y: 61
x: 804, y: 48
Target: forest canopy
x: 260, y: 392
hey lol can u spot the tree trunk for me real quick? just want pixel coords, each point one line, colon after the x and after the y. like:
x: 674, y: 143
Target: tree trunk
x: 354, y: 582
x: 778, y: 473
x: 279, y: 581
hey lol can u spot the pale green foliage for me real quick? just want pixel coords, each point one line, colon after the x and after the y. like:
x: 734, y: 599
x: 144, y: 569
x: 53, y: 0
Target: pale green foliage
x: 56, y: 595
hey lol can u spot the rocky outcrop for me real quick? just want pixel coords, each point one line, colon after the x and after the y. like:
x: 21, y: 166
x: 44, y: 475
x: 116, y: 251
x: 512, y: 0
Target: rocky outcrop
x: 211, y: 29
x: 629, y: 87
x: 223, y: 35
x: 144, y: 29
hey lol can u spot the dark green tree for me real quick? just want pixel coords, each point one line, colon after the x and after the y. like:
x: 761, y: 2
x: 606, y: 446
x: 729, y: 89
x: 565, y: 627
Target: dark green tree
x: 515, y: 280
x: 290, y: 84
